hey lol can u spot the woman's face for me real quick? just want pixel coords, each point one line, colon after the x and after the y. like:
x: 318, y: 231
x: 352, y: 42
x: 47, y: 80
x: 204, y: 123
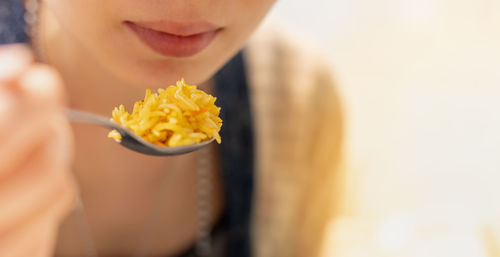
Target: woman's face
x: 155, y: 42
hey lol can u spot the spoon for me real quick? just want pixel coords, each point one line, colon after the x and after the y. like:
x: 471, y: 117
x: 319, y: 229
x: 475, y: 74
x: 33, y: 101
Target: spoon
x: 131, y: 140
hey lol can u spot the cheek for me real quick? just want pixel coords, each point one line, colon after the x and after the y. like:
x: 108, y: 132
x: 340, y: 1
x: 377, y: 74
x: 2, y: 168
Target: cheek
x: 257, y: 6
x: 251, y: 12
x: 83, y: 19
x: 95, y: 28
x: 247, y: 16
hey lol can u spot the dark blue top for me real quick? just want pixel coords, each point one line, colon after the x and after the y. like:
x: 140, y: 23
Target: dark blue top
x: 12, y: 22
x: 237, y: 153
x: 237, y: 148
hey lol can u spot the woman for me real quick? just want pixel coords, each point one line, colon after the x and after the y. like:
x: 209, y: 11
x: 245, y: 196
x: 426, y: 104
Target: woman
x: 265, y: 191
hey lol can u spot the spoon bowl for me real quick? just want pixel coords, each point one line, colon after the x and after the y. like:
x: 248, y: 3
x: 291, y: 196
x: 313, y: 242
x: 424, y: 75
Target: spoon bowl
x: 131, y: 140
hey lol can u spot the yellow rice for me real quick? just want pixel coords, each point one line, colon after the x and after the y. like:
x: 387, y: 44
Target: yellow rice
x: 176, y: 116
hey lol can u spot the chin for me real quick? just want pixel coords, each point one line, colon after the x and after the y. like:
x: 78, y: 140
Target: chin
x: 162, y: 73
x: 138, y: 66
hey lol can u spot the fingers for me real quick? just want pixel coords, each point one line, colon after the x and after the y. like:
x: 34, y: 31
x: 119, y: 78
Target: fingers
x: 38, y: 89
x: 36, y: 237
x: 25, y: 115
x: 24, y: 138
x: 41, y: 84
x: 37, y: 184
x: 36, y: 197
x: 36, y: 189
x: 13, y: 61
x: 29, y: 240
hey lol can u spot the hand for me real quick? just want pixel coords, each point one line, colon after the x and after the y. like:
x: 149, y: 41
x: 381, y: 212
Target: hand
x: 36, y: 188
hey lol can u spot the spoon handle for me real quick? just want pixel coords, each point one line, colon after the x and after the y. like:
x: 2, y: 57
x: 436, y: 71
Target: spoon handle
x: 85, y: 117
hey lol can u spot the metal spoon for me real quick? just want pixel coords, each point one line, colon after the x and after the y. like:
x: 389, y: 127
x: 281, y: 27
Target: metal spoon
x: 129, y: 139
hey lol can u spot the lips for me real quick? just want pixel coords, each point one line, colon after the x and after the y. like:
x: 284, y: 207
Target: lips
x: 173, y: 39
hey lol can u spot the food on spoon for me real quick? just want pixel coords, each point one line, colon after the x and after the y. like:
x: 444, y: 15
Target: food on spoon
x: 176, y: 116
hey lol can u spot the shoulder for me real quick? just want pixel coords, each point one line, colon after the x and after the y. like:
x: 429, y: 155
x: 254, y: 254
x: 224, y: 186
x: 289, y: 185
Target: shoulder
x: 275, y: 59
x: 283, y: 69
x: 297, y: 116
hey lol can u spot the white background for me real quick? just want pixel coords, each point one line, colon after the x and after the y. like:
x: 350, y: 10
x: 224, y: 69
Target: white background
x: 420, y: 81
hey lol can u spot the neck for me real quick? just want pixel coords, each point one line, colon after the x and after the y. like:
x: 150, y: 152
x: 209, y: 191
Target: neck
x: 90, y: 86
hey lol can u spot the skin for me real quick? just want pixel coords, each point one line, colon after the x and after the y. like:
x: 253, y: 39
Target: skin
x: 91, y: 56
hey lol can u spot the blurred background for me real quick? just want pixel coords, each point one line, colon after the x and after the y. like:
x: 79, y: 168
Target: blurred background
x: 420, y: 82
